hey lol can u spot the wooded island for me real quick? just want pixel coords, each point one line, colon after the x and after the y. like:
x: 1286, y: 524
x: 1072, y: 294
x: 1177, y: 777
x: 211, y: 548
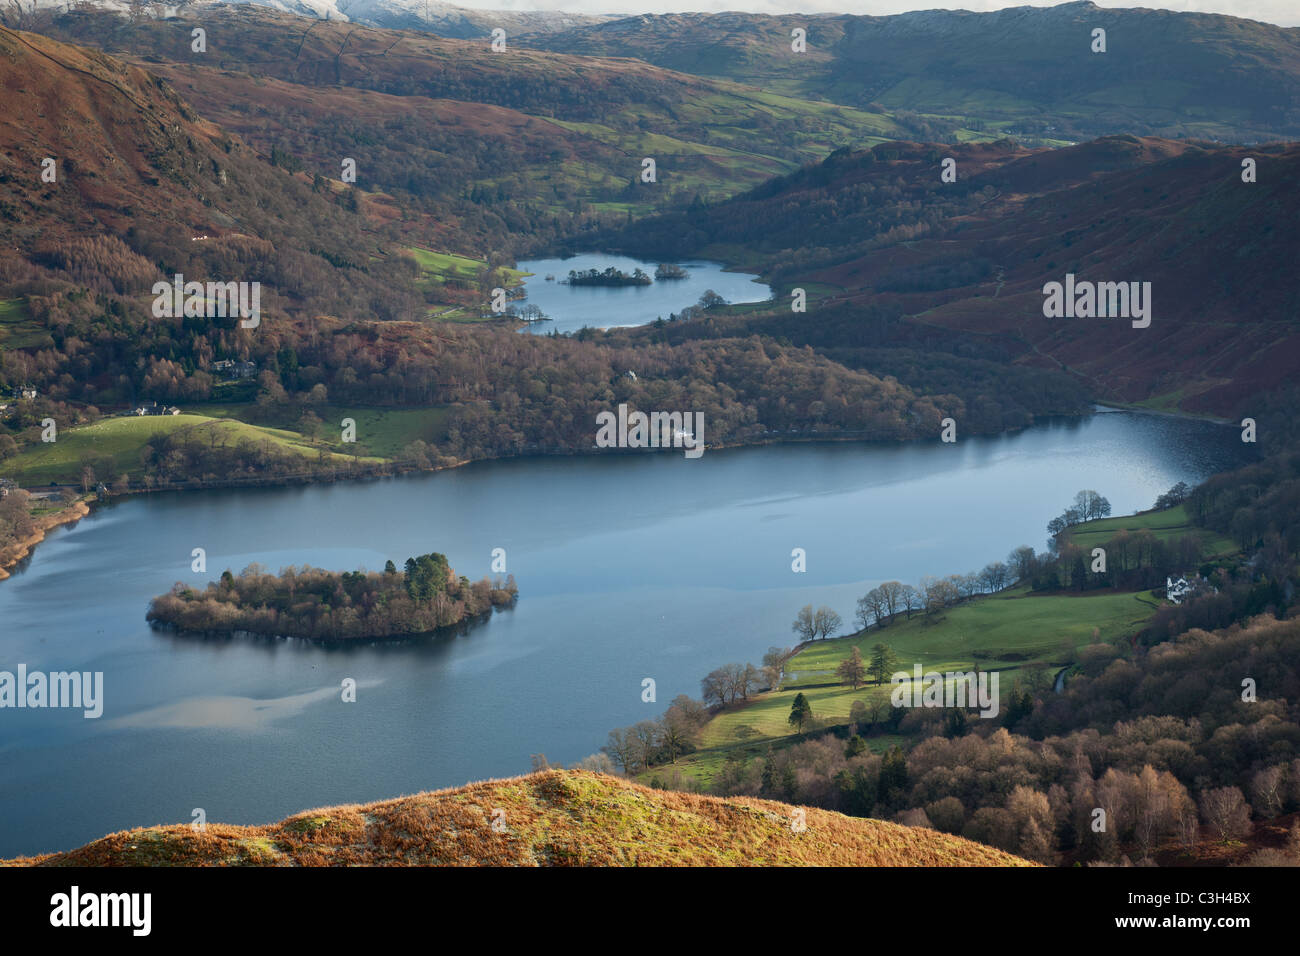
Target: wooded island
x: 311, y: 603
x: 609, y: 276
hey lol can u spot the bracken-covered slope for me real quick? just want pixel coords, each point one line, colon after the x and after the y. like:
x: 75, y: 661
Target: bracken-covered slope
x: 495, y: 143
x: 139, y: 175
x: 971, y: 257
x: 552, y: 818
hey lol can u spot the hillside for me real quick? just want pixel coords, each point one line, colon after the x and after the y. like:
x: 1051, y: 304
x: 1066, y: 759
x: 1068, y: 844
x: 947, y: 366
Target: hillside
x: 439, y: 121
x: 1022, y: 70
x: 552, y: 818
x: 139, y: 175
x: 898, y: 259
x: 1024, y: 636
x: 113, y: 446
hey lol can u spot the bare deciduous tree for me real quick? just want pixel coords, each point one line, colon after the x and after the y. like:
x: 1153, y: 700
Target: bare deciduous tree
x: 827, y: 622
x: 1225, y: 812
x: 805, y: 625
x: 1267, y: 788
x: 871, y: 609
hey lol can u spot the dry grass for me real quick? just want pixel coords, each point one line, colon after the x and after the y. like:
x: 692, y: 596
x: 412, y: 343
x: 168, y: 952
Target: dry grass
x: 552, y: 818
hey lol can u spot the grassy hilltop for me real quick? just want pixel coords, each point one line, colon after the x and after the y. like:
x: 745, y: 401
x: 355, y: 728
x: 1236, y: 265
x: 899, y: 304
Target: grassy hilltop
x: 551, y: 818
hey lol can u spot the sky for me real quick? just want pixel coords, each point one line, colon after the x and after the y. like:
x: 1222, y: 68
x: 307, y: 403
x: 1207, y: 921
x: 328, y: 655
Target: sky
x: 1282, y: 12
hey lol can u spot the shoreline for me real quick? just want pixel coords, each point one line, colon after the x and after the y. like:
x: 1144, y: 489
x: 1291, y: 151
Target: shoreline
x: 1190, y: 416
x: 462, y: 628
x: 23, y: 549
x: 81, y: 509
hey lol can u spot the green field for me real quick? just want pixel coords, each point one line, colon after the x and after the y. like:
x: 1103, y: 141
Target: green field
x: 383, y: 431
x: 1165, y: 525
x: 1003, y: 632
x: 439, y: 268
x: 120, y: 440
x: 17, y: 328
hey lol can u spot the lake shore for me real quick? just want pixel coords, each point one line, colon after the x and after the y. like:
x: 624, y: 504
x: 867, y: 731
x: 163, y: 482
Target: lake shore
x: 1192, y: 416
x: 17, y: 552
x: 395, y: 469
x: 622, y: 562
x: 322, y: 477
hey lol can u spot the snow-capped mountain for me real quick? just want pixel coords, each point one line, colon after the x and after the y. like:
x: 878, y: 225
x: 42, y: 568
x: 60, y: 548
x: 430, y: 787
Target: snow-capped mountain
x: 433, y: 16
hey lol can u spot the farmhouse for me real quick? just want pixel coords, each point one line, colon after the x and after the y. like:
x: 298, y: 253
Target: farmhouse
x: 1177, y: 591
x: 234, y: 369
x: 153, y: 408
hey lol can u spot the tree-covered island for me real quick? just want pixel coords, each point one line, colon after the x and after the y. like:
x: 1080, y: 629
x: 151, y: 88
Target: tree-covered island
x: 609, y: 276
x: 668, y: 270
x: 322, y: 605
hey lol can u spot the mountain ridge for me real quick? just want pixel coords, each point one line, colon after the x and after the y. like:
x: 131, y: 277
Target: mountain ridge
x: 1030, y: 69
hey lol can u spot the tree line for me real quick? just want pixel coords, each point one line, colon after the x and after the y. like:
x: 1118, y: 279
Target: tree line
x: 1161, y: 740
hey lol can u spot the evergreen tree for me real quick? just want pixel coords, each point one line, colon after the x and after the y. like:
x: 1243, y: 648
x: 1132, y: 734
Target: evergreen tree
x: 767, y: 780
x: 883, y: 662
x: 893, y: 776
x: 800, y: 711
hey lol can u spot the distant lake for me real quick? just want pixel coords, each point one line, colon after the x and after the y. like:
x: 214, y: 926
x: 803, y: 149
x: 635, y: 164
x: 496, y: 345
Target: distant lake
x: 607, y: 307
x: 629, y: 566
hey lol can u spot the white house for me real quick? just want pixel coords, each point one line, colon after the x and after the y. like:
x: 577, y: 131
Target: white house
x: 1180, y: 590
x: 153, y: 408
x: 1177, y: 590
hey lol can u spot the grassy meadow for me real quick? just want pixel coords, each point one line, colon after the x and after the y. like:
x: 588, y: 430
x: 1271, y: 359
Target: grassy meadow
x: 383, y: 431
x: 1007, y: 632
x: 437, y: 269
x: 120, y: 440
x: 1165, y: 525
x: 17, y: 329
x: 1004, y: 632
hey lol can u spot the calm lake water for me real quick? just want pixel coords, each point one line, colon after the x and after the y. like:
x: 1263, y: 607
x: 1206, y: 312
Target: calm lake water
x: 628, y: 567
x: 572, y: 307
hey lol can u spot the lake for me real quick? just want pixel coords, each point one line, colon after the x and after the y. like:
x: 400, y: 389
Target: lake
x: 629, y: 566
x: 572, y: 307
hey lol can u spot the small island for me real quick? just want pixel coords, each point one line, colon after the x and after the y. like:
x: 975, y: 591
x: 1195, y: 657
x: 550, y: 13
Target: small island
x: 310, y: 603
x: 667, y: 270
x: 609, y: 277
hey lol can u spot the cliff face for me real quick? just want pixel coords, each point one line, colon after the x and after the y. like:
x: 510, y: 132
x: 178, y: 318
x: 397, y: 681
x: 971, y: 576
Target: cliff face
x: 551, y: 818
